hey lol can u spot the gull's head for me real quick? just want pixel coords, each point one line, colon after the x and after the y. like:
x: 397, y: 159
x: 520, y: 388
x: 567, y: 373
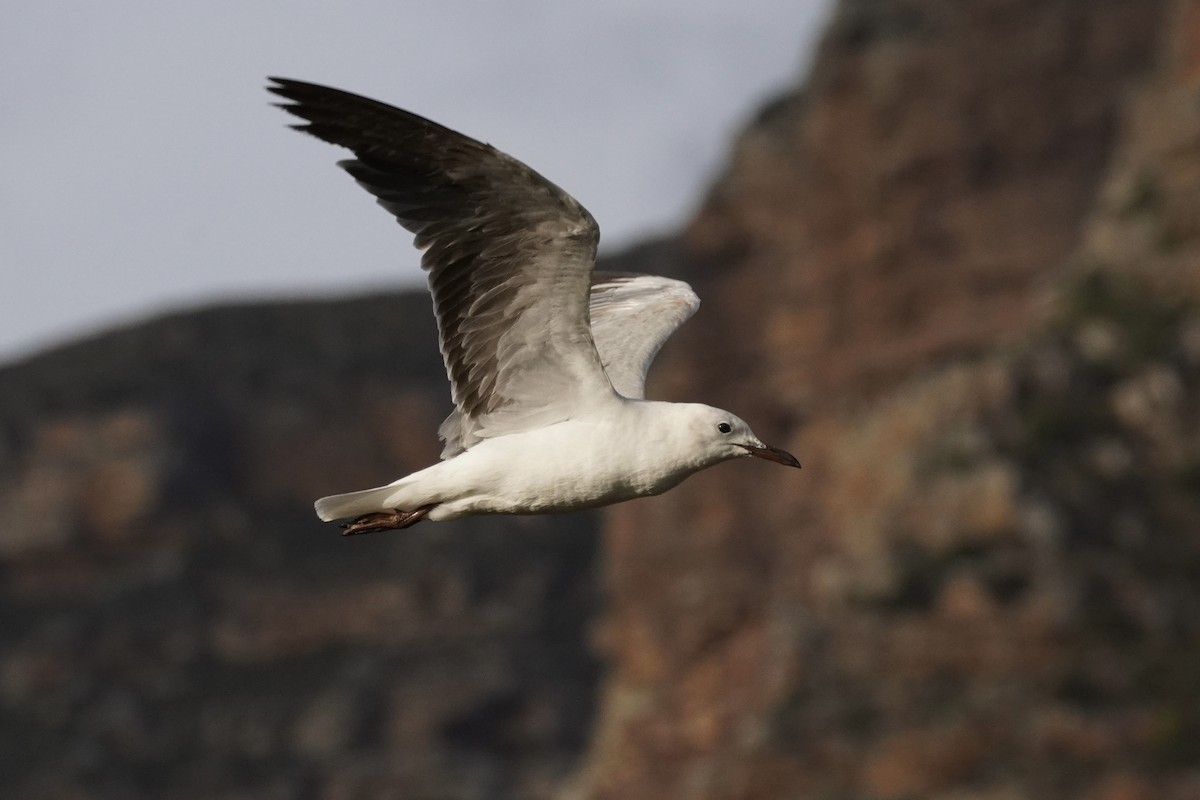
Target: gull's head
x: 727, y: 436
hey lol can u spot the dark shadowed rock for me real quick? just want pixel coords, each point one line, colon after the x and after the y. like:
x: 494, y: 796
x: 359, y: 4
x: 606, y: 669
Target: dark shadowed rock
x: 178, y: 624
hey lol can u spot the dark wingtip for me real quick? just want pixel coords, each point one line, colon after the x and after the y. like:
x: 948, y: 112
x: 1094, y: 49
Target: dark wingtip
x: 282, y: 87
x: 282, y: 84
x: 291, y: 90
x: 279, y: 86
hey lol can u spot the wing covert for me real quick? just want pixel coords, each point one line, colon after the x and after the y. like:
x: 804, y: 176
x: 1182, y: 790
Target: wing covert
x: 632, y: 317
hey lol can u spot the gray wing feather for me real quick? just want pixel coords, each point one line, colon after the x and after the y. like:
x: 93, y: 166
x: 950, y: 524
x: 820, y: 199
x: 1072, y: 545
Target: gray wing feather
x: 509, y: 257
x: 632, y: 316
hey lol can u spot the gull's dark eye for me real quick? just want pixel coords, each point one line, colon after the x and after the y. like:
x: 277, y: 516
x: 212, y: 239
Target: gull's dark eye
x: 723, y: 427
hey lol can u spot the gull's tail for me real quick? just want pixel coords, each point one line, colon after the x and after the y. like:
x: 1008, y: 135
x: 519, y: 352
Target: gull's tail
x: 354, y: 504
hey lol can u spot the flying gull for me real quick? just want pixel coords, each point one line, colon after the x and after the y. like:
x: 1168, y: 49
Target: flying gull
x: 547, y: 359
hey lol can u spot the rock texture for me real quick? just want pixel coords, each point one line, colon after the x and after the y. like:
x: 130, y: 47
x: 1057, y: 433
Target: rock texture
x: 177, y: 624
x: 966, y: 265
x: 958, y: 273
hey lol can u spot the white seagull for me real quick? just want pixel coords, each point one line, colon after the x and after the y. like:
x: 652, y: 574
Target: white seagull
x: 547, y: 360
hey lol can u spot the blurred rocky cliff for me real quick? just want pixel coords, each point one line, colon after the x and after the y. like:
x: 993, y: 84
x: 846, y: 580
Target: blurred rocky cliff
x: 957, y: 272
x: 177, y: 624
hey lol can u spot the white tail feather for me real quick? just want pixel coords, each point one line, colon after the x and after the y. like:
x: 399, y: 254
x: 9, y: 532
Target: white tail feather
x: 353, y: 504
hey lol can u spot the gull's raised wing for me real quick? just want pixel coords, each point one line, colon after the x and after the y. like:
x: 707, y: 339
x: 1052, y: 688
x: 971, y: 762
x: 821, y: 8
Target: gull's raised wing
x: 509, y: 257
x: 632, y: 316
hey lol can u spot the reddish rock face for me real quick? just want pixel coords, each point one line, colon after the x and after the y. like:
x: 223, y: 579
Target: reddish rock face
x: 951, y: 276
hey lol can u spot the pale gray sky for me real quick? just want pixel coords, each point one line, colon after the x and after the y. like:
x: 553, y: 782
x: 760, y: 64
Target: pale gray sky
x: 144, y: 169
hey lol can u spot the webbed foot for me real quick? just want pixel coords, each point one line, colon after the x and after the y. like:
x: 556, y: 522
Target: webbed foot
x: 392, y: 519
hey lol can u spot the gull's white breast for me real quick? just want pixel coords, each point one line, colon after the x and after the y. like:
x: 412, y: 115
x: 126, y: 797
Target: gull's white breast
x: 630, y: 450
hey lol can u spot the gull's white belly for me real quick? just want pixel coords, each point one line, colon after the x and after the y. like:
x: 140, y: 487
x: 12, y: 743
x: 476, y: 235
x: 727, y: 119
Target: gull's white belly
x: 562, y: 467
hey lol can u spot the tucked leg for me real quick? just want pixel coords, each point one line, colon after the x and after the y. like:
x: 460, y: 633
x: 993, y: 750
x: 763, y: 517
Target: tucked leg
x: 393, y: 519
